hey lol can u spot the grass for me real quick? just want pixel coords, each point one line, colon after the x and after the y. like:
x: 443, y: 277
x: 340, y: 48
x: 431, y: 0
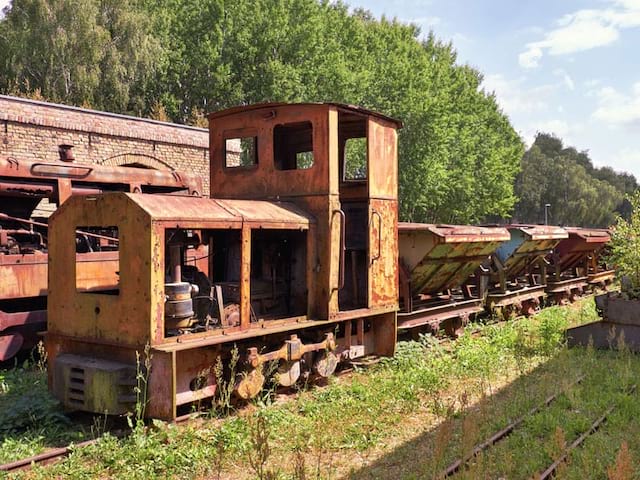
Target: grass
x: 407, y: 417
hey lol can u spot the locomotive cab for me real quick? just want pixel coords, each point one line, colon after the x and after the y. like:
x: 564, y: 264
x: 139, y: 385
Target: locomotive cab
x: 292, y: 266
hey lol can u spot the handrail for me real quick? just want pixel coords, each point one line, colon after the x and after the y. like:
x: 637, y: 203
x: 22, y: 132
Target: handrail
x: 343, y: 245
x: 376, y: 213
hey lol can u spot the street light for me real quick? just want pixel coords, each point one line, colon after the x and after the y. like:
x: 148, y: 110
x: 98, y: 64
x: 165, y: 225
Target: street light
x: 546, y: 213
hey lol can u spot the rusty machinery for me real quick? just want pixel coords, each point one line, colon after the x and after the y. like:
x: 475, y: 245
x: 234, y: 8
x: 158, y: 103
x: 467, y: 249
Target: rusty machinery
x: 302, y: 265
x: 575, y: 264
x: 517, y: 271
x: 24, y: 187
x: 438, y: 281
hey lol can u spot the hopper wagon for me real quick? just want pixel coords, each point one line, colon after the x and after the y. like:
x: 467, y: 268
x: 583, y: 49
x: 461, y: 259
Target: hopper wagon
x: 517, y: 270
x: 439, y: 284
x: 575, y: 264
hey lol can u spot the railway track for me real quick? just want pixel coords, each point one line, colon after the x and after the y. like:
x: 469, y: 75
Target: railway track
x: 461, y: 463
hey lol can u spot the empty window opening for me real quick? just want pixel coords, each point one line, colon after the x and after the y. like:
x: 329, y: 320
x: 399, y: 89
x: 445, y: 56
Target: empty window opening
x: 355, y: 159
x: 293, y: 146
x: 97, y: 260
x: 241, y: 152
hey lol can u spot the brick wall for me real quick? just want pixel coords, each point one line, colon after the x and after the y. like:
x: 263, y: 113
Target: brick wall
x: 32, y: 130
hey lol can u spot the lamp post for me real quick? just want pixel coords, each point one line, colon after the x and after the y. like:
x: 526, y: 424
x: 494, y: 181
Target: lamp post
x: 546, y: 213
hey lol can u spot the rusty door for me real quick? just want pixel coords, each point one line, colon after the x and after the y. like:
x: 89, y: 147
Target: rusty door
x: 383, y: 214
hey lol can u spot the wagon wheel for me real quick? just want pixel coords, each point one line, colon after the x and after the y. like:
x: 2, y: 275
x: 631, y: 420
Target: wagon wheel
x: 529, y: 307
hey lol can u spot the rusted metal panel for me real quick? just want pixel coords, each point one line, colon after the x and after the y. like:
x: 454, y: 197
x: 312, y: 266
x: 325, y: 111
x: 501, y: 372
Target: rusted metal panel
x: 23, y: 276
x: 203, y: 210
x: 264, y: 180
x: 576, y: 250
x: 441, y: 257
x: 383, y: 253
x: 382, y: 164
x: 527, y: 244
x: 115, y: 316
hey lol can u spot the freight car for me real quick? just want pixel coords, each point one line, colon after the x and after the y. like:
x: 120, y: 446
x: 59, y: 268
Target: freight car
x: 576, y: 266
x: 440, y: 279
x: 29, y: 191
x: 517, y: 270
x: 307, y: 266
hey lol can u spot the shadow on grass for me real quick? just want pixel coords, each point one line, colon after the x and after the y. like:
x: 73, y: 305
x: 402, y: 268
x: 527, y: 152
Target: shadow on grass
x: 31, y: 420
x: 533, y: 445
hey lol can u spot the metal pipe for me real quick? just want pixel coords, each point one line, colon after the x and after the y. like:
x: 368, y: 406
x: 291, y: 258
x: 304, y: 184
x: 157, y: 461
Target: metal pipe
x: 175, y: 263
x: 546, y: 213
x: 4, y: 216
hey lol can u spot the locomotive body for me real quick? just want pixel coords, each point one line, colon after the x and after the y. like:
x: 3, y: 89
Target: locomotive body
x: 302, y: 267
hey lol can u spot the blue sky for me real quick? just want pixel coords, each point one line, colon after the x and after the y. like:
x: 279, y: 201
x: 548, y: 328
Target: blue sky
x: 568, y: 67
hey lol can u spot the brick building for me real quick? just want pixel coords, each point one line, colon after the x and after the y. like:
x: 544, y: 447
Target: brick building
x: 32, y: 130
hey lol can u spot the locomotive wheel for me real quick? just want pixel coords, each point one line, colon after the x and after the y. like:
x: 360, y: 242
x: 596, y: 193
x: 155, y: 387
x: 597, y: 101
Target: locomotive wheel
x: 325, y: 364
x: 250, y: 384
x: 288, y: 373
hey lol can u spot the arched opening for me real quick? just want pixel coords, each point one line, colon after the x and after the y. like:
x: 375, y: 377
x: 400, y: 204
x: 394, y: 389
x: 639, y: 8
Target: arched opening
x: 136, y: 160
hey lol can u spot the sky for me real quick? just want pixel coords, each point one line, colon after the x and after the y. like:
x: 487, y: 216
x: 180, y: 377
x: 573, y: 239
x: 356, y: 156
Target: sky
x: 568, y: 67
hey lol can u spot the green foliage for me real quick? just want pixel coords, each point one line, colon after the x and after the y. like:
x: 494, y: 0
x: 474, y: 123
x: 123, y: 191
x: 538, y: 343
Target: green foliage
x: 25, y: 403
x: 579, y: 193
x: 79, y: 52
x: 625, y: 249
x: 458, y: 152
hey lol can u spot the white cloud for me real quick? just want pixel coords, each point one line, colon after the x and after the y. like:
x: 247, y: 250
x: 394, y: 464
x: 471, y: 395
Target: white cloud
x: 558, y: 127
x: 3, y: 4
x: 566, y: 78
x: 425, y: 21
x: 626, y: 160
x: 513, y: 97
x: 615, y: 108
x: 583, y: 30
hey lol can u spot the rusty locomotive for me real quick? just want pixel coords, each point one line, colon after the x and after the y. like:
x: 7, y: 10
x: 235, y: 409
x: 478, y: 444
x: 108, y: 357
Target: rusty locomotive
x: 305, y: 266
x: 29, y: 192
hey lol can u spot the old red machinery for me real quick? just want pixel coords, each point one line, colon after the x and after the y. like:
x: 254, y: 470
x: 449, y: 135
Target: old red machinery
x: 303, y: 265
x: 518, y: 268
x: 24, y: 187
x: 436, y: 263
x: 575, y: 265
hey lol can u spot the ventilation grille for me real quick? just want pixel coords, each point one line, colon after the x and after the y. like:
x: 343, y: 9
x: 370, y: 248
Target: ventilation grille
x: 75, y: 393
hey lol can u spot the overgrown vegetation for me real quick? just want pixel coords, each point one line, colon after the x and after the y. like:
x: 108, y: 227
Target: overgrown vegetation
x: 625, y: 249
x: 407, y: 417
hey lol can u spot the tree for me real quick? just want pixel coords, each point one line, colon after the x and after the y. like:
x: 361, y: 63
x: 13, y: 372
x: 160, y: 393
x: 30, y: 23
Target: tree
x: 579, y: 193
x: 79, y: 52
x: 458, y: 152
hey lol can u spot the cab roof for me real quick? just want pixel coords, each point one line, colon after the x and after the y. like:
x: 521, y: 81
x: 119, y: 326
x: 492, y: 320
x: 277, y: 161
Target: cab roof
x: 353, y: 109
